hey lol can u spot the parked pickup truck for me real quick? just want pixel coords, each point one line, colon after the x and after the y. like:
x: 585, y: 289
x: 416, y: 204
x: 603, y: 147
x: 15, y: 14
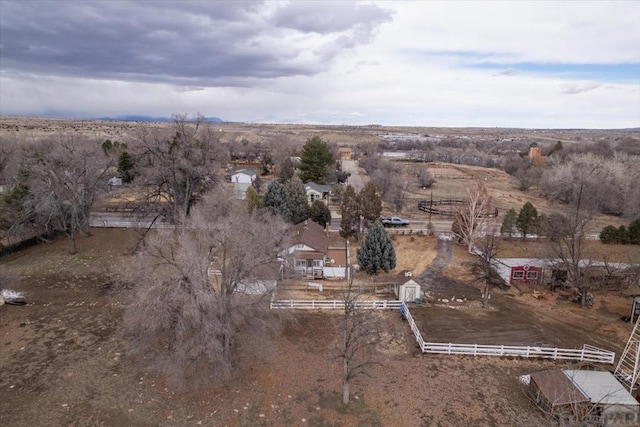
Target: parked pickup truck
x: 394, y: 221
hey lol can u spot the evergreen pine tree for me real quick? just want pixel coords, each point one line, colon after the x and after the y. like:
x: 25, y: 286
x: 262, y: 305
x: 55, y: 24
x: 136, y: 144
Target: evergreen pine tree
x: 316, y: 159
x: 275, y: 200
x: 253, y: 199
x: 509, y: 222
x: 527, y: 219
x: 126, y: 167
x: 377, y: 252
x: 296, y: 200
x: 370, y: 204
x: 350, y: 212
x: 320, y: 213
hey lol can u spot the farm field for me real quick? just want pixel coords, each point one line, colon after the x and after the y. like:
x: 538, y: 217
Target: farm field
x: 65, y: 363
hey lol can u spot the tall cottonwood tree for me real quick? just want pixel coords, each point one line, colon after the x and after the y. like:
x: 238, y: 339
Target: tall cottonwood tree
x: 180, y: 165
x: 197, y: 307
x: 471, y: 218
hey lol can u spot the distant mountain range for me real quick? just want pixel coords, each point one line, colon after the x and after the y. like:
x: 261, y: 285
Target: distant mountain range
x: 135, y: 118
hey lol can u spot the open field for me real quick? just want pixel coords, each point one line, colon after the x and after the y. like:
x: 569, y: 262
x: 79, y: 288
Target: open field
x: 28, y: 127
x: 452, y: 182
x: 64, y: 362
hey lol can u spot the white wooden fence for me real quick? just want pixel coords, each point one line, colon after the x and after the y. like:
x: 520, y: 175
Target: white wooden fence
x: 586, y: 354
x: 334, y: 304
x: 416, y: 332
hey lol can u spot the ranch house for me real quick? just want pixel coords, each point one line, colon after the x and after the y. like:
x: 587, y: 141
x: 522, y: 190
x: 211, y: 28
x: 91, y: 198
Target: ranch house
x: 317, y: 191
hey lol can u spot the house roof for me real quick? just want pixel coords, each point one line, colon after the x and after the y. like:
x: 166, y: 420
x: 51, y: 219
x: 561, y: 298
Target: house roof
x: 319, y: 188
x: 503, y: 266
x: 247, y: 170
x: 311, y: 234
x: 344, y: 149
x: 601, y: 387
x: 557, y: 388
x: 398, y: 278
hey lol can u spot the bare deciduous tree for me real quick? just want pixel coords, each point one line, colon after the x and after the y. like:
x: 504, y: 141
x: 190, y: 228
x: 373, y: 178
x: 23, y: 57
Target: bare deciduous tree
x: 471, y: 218
x: 358, y: 334
x: 202, y: 291
x: 483, y: 269
x: 567, y: 248
x: 63, y: 177
x: 178, y: 166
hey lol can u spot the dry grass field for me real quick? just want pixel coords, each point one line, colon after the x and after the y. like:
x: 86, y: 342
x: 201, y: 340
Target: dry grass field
x: 65, y: 363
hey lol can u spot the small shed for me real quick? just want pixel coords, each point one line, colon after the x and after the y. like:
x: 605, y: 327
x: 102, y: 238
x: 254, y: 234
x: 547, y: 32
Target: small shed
x: 409, y: 291
x: 580, y: 395
x: 115, y: 182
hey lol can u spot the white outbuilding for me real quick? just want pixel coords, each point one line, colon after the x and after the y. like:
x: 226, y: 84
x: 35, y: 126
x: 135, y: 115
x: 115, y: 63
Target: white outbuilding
x: 409, y: 291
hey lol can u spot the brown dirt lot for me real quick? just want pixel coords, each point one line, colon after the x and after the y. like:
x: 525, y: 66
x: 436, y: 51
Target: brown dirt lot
x: 64, y: 363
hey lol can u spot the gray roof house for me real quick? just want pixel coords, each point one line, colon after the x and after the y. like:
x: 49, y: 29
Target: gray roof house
x: 316, y: 191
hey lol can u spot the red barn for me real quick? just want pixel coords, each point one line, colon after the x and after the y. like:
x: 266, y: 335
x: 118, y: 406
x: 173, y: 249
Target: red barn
x: 526, y: 275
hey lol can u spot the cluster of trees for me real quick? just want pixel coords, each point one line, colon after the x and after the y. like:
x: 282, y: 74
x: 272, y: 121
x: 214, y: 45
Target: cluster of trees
x: 55, y: 185
x: 621, y: 235
x: 526, y: 221
x: 607, y: 184
x: 387, y: 176
x: 287, y: 197
x: 359, y: 210
x: 289, y: 201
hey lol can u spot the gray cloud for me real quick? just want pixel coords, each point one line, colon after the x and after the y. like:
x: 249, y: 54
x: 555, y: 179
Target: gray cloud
x: 572, y: 88
x: 185, y: 43
x: 509, y: 72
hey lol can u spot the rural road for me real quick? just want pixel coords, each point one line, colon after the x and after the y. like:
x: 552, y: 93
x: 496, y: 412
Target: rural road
x: 355, y: 180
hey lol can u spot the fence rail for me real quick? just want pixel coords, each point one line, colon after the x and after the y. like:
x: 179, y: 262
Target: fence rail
x: 99, y: 223
x: 416, y: 331
x: 334, y: 304
x: 585, y: 354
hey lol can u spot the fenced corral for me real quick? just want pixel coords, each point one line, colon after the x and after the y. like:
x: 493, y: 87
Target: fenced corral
x: 334, y: 304
x: 587, y: 353
x: 434, y: 207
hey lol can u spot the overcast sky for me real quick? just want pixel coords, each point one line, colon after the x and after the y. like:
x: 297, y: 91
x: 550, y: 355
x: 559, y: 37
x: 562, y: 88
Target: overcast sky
x: 510, y: 64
